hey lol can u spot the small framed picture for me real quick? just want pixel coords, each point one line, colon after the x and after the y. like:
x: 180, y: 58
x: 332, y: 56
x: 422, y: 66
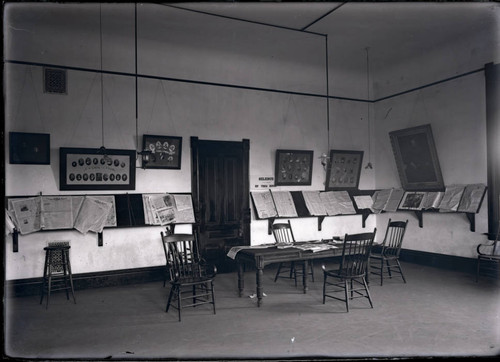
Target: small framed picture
x: 344, y: 170
x: 96, y: 169
x: 293, y: 167
x: 166, y: 151
x: 29, y: 148
x: 412, y: 200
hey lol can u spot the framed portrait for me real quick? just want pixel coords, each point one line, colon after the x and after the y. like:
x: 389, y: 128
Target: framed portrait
x: 416, y: 159
x: 94, y: 169
x: 412, y: 200
x: 29, y: 148
x: 344, y: 170
x: 293, y: 167
x: 166, y: 151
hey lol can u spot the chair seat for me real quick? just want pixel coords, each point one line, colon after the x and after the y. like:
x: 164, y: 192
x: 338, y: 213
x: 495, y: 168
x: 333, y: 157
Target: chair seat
x: 342, y: 274
x: 191, y: 280
x: 382, y: 256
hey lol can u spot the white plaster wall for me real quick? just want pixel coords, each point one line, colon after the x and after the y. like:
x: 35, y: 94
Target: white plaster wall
x: 219, y: 53
x: 455, y: 110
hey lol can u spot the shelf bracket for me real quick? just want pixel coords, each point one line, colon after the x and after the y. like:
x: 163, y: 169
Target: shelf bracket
x: 472, y: 220
x: 420, y: 217
x: 270, y: 223
x: 364, y: 216
x: 320, y: 222
x: 15, y: 241
x: 100, y: 238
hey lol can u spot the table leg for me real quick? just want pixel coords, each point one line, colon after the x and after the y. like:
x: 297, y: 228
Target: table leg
x: 241, y: 279
x: 260, y: 290
x: 304, y: 275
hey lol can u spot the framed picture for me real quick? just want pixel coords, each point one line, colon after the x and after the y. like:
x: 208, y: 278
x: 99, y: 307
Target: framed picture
x: 293, y: 167
x: 412, y: 200
x: 165, y: 151
x: 93, y: 169
x: 416, y: 159
x: 344, y: 170
x: 29, y: 148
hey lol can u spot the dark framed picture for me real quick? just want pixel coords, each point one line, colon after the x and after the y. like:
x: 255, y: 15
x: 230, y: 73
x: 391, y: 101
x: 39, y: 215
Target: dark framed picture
x: 29, y: 148
x: 95, y: 169
x: 293, y: 167
x: 166, y: 151
x: 416, y: 159
x: 344, y: 170
x: 412, y: 200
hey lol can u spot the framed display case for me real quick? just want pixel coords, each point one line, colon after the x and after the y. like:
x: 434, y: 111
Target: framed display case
x: 416, y: 159
x: 96, y: 169
x: 344, y: 170
x: 29, y: 148
x: 166, y: 151
x: 293, y: 167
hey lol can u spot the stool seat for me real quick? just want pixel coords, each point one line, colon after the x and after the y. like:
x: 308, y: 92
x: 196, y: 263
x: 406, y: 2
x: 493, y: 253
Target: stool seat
x: 57, y: 271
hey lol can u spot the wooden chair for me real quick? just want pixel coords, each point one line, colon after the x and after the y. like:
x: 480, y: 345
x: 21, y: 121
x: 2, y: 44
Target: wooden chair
x: 488, y: 258
x: 349, y: 278
x: 385, y: 261
x: 283, y: 235
x: 190, y: 278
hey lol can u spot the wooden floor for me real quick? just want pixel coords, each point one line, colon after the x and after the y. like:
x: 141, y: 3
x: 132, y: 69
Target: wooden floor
x: 437, y: 313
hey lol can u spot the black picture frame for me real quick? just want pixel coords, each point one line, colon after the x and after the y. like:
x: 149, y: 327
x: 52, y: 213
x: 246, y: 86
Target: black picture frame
x: 166, y: 151
x: 416, y: 159
x: 29, y: 148
x: 96, y: 169
x: 293, y: 167
x: 344, y: 170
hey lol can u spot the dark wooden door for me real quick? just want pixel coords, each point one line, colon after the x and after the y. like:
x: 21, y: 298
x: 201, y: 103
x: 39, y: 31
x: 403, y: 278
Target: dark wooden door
x: 220, y: 189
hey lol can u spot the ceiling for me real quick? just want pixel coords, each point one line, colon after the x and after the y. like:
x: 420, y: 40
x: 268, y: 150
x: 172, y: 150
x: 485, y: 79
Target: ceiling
x: 392, y: 31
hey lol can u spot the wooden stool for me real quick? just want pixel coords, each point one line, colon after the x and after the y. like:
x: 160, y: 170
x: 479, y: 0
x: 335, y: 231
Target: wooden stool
x: 57, y: 271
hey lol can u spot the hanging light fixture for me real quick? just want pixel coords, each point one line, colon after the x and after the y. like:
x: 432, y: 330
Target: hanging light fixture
x: 369, y: 164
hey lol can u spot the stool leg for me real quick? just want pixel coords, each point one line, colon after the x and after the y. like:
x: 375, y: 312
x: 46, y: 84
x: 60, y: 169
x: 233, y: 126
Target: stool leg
x: 70, y: 276
x: 44, y: 280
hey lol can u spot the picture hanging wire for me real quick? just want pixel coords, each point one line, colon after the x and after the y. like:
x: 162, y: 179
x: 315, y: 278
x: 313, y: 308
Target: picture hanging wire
x: 369, y: 164
x: 324, y: 156
x: 102, y: 149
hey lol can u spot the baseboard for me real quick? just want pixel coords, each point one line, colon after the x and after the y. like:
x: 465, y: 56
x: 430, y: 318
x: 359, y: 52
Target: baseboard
x: 31, y: 286
x: 449, y: 262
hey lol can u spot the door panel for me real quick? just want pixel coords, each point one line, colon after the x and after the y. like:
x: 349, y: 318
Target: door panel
x: 220, y: 193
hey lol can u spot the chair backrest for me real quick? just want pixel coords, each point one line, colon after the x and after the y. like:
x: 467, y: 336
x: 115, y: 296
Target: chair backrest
x: 283, y: 233
x: 393, y: 239
x: 356, y: 253
x: 182, y: 254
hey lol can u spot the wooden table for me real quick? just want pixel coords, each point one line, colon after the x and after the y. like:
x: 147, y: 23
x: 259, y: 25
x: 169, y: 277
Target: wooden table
x: 265, y: 256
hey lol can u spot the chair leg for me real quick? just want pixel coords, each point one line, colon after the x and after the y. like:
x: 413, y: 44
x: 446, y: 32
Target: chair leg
x: 278, y: 272
x: 179, y: 306
x: 311, y: 266
x: 401, y: 270
x: 169, y: 298
x: 213, y: 294
x: 346, y: 290
x: 381, y: 272
x: 367, y: 292
x: 324, y: 288
x: 389, y: 268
